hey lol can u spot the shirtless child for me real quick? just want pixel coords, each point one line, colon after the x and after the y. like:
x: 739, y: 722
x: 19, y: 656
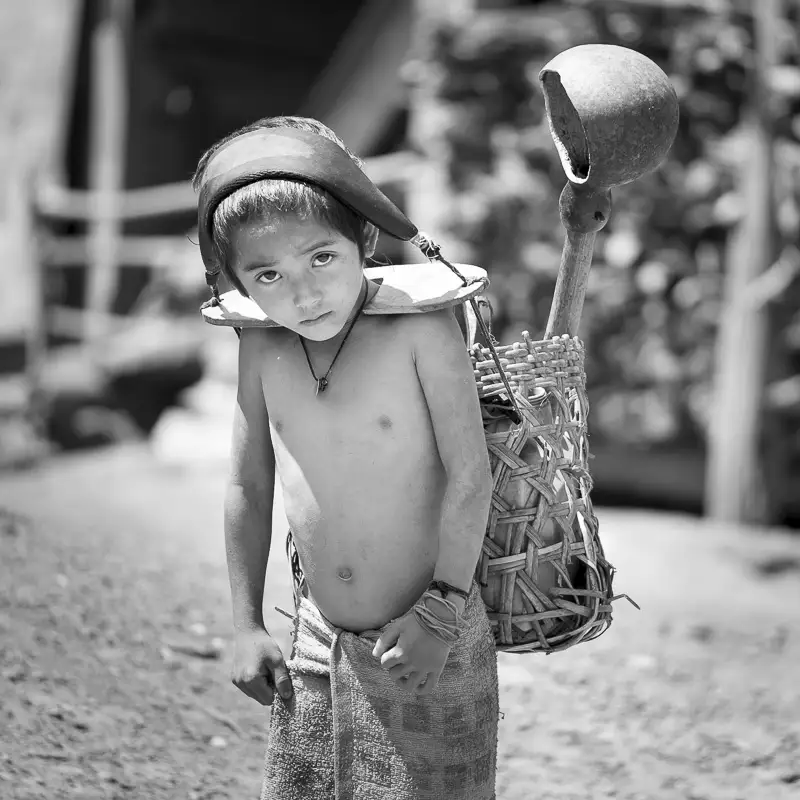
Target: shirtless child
x: 372, y: 425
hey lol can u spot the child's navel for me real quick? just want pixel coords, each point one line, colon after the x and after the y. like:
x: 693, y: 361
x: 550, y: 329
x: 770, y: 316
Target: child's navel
x: 278, y: 425
x: 385, y: 422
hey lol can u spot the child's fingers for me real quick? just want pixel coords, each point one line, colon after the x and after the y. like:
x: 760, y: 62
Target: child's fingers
x: 393, y: 657
x: 265, y: 695
x: 417, y: 681
x: 386, y: 641
x: 255, y: 686
x: 401, y: 671
x: 407, y: 681
x: 259, y: 690
x: 425, y: 688
x: 283, y: 682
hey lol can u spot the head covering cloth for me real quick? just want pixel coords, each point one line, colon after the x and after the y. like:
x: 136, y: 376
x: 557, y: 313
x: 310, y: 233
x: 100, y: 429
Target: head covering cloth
x: 294, y: 155
x: 306, y: 157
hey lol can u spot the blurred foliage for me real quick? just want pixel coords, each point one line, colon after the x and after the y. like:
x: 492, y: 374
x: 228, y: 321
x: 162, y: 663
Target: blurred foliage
x: 656, y: 284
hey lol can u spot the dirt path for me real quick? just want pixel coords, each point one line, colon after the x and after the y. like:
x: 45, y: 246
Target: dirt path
x: 114, y: 567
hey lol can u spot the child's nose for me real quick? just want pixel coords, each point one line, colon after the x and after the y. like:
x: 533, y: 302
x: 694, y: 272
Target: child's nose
x: 306, y: 296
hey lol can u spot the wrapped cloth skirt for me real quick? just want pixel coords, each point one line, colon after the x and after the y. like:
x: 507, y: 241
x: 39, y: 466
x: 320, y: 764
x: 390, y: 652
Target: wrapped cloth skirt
x: 349, y: 732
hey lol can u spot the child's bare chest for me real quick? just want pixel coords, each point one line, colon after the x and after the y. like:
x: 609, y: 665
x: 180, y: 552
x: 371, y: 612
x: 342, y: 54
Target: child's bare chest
x: 373, y: 410
x: 360, y: 472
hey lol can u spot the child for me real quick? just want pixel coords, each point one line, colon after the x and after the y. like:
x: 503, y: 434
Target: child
x: 373, y: 426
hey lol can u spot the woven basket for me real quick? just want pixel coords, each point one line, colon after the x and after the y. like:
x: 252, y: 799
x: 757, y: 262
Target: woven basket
x: 544, y: 579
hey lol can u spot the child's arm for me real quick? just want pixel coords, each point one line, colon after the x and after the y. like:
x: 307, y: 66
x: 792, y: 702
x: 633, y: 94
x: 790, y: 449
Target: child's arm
x: 248, y: 501
x: 448, y: 382
x: 258, y: 666
x: 412, y: 656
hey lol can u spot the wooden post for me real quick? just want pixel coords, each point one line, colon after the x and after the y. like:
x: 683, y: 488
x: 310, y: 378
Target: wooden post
x: 53, y: 164
x: 582, y: 214
x: 27, y: 259
x: 737, y: 489
x: 108, y: 120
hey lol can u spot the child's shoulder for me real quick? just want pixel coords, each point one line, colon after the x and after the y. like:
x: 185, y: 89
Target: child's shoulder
x: 432, y: 334
x: 414, y: 329
x: 258, y: 336
x: 420, y: 321
x: 255, y: 342
x: 428, y: 325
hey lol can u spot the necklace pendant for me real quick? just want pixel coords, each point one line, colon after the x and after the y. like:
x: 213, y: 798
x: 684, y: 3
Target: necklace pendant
x: 322, y: 385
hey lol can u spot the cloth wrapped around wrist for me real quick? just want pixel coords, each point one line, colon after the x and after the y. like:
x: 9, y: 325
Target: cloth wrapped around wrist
x: 446, y: 630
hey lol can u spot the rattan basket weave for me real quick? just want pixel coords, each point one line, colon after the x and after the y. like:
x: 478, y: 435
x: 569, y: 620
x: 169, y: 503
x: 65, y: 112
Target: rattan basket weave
x: 544, y: 579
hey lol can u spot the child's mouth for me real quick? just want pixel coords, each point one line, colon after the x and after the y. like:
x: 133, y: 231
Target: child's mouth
x: 316, y: 320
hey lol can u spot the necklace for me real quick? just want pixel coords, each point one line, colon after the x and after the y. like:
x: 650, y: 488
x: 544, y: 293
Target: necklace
x: 322, y: 383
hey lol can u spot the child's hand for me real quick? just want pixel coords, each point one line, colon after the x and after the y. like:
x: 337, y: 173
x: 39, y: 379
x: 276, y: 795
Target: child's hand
x: 259, y: 668
x: 413, y: 657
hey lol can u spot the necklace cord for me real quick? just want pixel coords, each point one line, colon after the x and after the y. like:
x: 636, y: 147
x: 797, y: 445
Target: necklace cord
x: 323, y: 381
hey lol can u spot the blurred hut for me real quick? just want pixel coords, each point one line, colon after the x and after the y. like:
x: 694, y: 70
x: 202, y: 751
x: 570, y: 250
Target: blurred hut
x: 197, y: 69
x: 442, y: 96
x: 103, y: 205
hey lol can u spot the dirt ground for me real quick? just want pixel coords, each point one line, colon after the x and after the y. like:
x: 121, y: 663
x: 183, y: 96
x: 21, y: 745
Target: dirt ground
x: 115, y: 634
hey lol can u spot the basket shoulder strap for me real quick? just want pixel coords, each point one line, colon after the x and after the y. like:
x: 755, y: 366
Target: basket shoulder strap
x: 468, y: 321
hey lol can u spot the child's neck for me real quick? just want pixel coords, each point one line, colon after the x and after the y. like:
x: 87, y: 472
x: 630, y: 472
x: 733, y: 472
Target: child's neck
x: 332, y: 345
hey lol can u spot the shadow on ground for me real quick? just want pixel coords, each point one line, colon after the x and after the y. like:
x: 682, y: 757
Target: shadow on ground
x: 115, y: 630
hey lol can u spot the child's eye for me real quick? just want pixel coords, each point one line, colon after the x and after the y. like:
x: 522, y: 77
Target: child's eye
x: 269, y: 276
x: 323, y: 259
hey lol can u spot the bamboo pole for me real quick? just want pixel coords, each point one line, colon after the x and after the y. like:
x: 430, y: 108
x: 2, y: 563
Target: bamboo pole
x: 28, y: 261
x: 108, y: 120
x: 59, y: 202
x: 736, y: 486
x: 582, y: 215
x: 156, y: 252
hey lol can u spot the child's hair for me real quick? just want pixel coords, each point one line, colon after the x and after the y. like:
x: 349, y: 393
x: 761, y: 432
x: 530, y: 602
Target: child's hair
x: 283, y: 197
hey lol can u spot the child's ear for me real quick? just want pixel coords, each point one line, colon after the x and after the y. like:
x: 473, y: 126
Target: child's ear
x: 371, y: 234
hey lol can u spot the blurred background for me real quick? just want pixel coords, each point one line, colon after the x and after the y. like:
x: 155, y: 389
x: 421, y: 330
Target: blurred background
x: 116, y: 399
x: 691, y: 319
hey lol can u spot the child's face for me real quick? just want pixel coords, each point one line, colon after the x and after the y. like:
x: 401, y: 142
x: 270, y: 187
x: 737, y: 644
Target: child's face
x: 303, y: 275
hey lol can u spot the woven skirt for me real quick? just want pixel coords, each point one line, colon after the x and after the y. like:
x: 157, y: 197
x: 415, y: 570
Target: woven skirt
x: 350, y: 733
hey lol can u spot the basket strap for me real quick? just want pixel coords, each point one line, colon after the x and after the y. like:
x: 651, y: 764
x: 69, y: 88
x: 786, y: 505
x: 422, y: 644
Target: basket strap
x: 212, y: 279
x: 432, y: 251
